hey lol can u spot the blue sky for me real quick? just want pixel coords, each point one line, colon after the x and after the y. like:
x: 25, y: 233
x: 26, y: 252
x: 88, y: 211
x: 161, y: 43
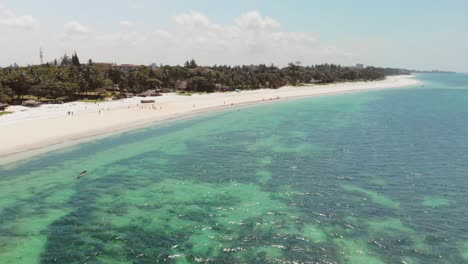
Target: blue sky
x: 411, y: 34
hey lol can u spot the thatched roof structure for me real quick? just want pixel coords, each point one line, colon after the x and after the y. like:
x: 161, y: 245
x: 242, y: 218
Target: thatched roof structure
x: 181, y: 85
x: 31, y: 103
x: 101, y: 91
x: 113, y: 88
x: 149, y: 93
x: 3, y: 106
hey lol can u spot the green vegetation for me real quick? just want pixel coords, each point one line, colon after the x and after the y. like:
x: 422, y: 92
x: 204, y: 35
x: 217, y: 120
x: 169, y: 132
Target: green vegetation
x: 5, y: 113
x: 69, y: 79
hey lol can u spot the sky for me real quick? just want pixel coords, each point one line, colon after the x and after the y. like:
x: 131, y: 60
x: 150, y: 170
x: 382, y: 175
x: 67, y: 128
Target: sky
x: 412, y: 34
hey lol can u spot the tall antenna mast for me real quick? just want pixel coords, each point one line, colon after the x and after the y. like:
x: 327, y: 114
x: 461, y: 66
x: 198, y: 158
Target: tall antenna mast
x: 41, y: 55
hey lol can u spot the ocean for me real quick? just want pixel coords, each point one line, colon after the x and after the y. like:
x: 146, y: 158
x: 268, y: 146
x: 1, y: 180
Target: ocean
x: 366, y: 177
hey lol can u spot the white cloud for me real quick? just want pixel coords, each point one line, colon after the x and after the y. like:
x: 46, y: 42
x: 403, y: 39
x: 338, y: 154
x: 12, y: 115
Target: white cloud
x: 74, y: 28
x: 162, y: 33
x: 9, y: 18
x: 255, y: 21
x: 126, y: 23
x: 251, y: 38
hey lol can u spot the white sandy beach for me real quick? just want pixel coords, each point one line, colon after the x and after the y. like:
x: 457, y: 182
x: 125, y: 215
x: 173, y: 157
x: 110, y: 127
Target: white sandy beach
x: 35, y: 128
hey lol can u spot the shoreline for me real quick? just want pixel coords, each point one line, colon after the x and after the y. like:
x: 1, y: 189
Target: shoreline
x: 49, y: 128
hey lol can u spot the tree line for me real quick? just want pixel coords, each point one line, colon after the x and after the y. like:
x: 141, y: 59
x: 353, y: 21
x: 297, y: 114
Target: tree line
x: 67, y: 78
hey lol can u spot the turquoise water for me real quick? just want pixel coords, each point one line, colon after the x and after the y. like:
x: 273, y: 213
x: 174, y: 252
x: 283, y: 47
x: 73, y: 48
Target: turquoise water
x: 375, y: 177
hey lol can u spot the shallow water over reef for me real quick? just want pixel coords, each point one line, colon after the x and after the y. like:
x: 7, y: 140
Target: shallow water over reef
x: 376, y: 177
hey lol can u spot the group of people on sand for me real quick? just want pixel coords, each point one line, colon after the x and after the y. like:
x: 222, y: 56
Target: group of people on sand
x: 151, y: 107
x: 154, y: 107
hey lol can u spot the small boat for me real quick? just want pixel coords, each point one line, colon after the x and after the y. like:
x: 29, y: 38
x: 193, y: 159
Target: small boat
x: 83, y: 173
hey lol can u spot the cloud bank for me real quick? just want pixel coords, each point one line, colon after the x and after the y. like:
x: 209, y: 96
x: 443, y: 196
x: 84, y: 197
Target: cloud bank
x: 10, y: 19
x: 251, y: 38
